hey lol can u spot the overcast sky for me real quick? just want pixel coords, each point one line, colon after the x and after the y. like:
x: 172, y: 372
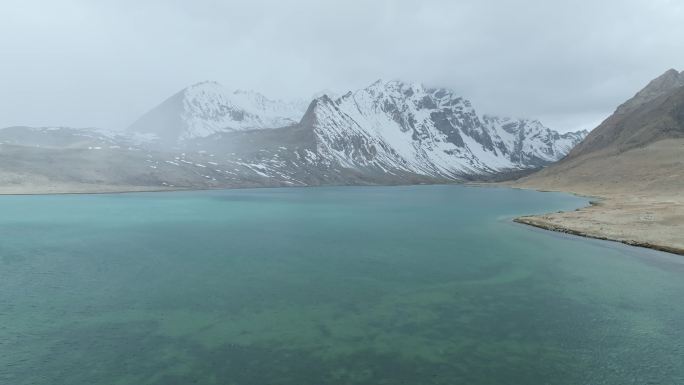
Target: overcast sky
x: 104, y: 63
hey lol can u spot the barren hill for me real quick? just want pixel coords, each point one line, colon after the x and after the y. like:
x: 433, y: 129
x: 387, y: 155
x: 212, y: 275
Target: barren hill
x: 634, y: 160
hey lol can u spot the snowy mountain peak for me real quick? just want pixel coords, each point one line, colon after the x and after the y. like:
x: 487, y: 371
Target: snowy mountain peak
x: 393, y: 88
x: 206, y: 108
x: 205, y: 83
x: 330, y: 93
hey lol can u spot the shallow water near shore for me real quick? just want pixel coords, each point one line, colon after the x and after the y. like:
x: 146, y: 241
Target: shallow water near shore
x: 340, y: 285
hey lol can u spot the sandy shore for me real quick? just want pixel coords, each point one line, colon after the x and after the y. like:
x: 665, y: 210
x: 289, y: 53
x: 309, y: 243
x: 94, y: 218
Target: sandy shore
x: 644, y: 223
x: 655, y: 222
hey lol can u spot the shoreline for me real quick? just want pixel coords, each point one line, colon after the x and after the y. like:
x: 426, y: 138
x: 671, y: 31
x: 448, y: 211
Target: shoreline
x: 536, y: 222
x: 640, y: 191
x: 610, y: 218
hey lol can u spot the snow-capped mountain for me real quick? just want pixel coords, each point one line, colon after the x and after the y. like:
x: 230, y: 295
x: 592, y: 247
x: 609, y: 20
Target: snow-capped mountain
x: 207, y: 136
x: 529, y: 142
x: 207, y: 108
x: 394, y: 126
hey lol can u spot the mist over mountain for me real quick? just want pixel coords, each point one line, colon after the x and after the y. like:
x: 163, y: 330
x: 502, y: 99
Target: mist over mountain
x: 207, y: 108
x: 209, y: 136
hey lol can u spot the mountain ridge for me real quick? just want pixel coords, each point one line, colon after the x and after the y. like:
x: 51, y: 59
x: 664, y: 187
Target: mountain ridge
x: 208, y: 136
x: 652, y: 114
x: 659, y: 86
x: 427, y: 130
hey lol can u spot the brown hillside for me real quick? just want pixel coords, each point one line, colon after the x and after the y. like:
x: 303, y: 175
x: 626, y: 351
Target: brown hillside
x: 634, y: 160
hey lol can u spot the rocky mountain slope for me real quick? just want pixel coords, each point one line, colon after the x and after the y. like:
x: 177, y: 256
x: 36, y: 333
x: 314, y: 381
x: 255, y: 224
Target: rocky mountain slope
x: 634, y: 160
x: 406, y: 127
x: 636, y: 125
x: 653, y: 114
x: 206, y: 136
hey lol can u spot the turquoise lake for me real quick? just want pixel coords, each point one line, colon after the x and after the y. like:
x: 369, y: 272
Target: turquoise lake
x: 341, y: 285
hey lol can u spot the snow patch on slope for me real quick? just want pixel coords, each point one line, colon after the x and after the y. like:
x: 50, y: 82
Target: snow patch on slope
x: 394, y: 125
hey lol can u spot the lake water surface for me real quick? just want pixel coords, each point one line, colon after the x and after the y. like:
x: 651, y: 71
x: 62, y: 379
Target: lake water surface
x: 350, y: 285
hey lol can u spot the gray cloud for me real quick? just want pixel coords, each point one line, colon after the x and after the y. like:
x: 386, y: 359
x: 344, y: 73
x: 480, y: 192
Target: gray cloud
x: 103, y: 63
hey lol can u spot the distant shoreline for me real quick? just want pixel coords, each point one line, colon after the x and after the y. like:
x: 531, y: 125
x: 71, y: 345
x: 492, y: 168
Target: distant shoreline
x: 97, y: 191
x: 88, y: 190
